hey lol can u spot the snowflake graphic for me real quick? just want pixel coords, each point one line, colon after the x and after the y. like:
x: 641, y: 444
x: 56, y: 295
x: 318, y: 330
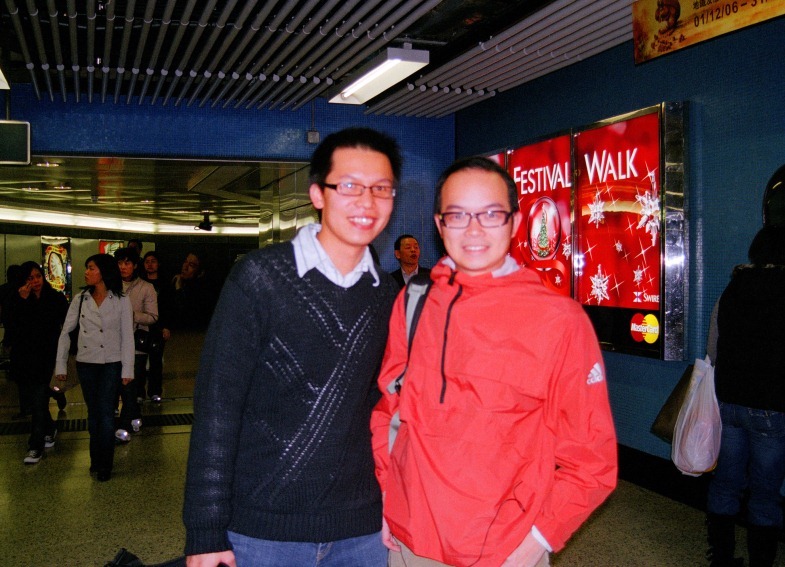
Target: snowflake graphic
x: 599, y: 285
x: 650, y: 214
x: 618, y: 246
x: 566, y: 248
x: 596, y: 211
x: 638, y: 275
x: 557, y: 279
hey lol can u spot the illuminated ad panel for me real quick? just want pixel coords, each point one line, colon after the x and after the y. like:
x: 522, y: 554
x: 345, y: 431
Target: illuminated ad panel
x: 618, y: 240
x: 543, y: 242
x: 56, y: 254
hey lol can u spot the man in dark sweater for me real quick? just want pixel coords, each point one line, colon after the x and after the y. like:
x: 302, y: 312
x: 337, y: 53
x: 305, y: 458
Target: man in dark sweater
x: 280, y: 470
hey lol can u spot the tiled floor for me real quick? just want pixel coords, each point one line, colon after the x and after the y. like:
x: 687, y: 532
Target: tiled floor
x: 54, y: 514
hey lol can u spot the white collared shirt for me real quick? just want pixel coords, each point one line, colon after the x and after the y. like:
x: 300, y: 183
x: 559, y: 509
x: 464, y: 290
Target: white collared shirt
x: 309, y: 253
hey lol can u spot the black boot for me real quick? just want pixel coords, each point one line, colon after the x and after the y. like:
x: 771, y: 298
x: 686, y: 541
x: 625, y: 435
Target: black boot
x: 762, y: 544
x: 722, y: 540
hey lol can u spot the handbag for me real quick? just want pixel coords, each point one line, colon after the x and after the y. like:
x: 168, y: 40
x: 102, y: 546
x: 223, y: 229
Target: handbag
x: 73, y: 335
x: 696, y: 439
x: 665, y: 422
x: 150, y: 342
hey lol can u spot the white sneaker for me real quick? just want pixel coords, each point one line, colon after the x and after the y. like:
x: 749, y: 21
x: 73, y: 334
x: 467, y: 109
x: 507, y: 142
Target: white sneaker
x: 122, y: 435
x: 156, y: 399
x: 33, y: 456
x: 49, y: 440
x: 136, y: 425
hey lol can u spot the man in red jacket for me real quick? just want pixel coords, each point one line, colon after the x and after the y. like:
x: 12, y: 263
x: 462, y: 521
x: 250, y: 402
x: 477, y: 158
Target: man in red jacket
x: 506, y: 441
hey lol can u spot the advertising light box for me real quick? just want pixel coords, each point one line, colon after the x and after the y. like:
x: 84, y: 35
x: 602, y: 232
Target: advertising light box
x: 543, y: 175
x: 628, y: 244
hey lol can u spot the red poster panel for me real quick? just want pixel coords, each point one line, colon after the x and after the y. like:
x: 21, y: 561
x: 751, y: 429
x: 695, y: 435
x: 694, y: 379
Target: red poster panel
x: 110, y: 246
x: 617, y: 226
x: 543, y: 175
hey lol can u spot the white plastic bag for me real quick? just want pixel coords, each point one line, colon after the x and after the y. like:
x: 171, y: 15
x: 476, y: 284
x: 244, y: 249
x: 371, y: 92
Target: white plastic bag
x: 696, y: 438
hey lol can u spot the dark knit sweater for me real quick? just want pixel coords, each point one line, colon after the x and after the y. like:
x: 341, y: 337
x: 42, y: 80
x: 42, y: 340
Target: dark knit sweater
x: 280, y: 447
x: 750, y: 366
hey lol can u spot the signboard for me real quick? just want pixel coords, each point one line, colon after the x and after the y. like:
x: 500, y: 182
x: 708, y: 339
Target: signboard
x: 664, y: 26
x: 56, y: 253
x: 14, y: 142
x: 543, y: 175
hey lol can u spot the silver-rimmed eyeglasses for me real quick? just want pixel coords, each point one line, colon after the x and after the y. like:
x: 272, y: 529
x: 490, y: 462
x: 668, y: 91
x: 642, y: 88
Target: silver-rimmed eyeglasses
x: 351, y: 189
x: 487, y: 219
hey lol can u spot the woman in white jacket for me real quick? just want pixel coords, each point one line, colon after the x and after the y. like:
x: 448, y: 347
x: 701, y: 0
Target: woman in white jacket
x: 105, y: 355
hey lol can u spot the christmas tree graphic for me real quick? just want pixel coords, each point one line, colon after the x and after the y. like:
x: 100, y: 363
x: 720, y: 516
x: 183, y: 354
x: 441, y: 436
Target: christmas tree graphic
x: 543, y: 243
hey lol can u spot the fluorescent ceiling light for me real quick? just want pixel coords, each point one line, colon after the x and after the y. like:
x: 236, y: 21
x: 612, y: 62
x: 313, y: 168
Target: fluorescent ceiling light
x: 389, y: 68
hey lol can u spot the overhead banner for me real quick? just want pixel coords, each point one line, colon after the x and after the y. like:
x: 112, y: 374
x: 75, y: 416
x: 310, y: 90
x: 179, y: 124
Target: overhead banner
x: 543, y: 175
x: 663, y: 26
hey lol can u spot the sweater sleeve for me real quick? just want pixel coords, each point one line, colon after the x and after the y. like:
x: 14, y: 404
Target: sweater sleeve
x: 395, y: 358
x: 225, y: 374
x: 585, y: 442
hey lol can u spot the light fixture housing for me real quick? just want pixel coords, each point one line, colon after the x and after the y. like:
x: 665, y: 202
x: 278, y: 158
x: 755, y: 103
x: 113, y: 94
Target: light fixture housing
x: 206, y: 224
x: 387, y: 69
x: 4, y: 86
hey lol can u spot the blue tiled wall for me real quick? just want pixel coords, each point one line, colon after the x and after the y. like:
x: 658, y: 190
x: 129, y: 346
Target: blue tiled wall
x: 734, y: 86
x: 105, y: 128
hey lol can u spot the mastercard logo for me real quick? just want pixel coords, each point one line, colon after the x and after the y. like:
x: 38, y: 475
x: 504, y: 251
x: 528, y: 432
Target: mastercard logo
x: 645, y: 328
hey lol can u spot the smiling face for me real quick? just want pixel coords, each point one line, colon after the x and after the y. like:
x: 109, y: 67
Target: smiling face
x: 474, y: 249
x: 349, y: 224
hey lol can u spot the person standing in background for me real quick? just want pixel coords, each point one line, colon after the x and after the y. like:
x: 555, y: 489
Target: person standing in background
x: 280, y: 470
x: 407, y: 252
x: 13, y: 281
x: 105, y: 354
x: 193, y: 298
x: 151, y: 273
x: 745, y: 342
x: 36, y: 314
x: 144, y: 303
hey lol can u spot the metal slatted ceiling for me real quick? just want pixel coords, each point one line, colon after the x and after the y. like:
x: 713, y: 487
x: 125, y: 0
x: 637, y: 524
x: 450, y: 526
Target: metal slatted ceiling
x: 283, y: 54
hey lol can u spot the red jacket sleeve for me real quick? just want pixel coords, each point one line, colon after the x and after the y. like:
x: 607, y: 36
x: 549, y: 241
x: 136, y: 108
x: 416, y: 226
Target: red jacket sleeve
x: 393, y: 363
x: 585, y: 441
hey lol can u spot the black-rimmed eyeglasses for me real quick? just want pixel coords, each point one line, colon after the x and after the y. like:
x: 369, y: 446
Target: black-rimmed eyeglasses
x: 351, y: 189
x: 487, y: 219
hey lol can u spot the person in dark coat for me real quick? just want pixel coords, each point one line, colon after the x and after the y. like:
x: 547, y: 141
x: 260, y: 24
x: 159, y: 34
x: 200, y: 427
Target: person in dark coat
x: 36, y: 314
x: 407, y: 252
x: 750, y: 385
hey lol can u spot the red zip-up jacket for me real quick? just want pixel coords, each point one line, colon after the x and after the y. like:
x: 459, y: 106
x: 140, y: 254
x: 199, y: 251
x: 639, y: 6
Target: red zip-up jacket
x: 505, y: 421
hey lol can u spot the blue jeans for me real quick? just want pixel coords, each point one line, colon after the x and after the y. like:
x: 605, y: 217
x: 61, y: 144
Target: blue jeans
x: 363, y: 551
x: 100, y: 384
x: 752, y: 456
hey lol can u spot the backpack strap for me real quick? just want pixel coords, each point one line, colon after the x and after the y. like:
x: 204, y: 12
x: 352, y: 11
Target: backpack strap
x: 414, y: 299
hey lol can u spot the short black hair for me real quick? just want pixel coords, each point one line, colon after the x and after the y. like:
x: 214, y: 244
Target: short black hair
x: 365, y: 138
x: 483, y: 164
x: 130, y: 254
x: 152, y: 253
x: 135, y: 241
x: 397, y: 245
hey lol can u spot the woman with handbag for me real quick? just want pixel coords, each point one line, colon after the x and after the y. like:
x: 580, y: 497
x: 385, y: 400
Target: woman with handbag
x: 105, y: 355
x: 36, y: 313
x: 144, y: 303
x: 745, y: 340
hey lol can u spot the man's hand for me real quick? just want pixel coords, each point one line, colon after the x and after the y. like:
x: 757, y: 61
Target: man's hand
x: 528, y: 554
x: 211, y: 559
x: 387, y: 538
